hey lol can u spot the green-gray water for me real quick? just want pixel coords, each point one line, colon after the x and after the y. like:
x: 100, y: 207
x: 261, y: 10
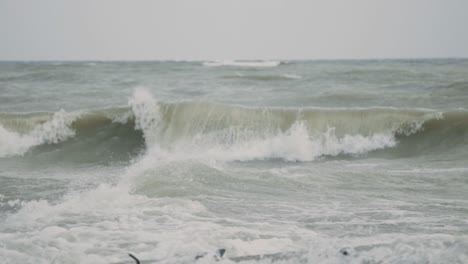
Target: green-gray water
x: 277, y: 162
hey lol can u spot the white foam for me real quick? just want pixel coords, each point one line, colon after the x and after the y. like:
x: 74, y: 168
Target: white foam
x: 51, y: 132
x: 295, y: 144
x: 253, y: 64
x: 259, y: 246
x: 96, y: 225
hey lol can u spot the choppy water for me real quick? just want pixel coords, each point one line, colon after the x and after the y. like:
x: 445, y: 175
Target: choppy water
x: 277, y: 162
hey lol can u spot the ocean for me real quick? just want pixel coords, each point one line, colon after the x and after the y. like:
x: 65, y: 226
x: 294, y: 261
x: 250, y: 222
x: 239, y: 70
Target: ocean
x: 274, y: 161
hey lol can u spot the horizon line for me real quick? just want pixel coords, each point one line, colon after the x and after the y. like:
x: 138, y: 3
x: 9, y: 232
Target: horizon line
x: 221, y: 60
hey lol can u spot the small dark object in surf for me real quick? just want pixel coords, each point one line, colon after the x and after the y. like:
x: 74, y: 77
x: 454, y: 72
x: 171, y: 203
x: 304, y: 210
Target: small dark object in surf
x: 200, y: 256
x: 133, y: 257
x: 219, y: 254
x: 344, y: 251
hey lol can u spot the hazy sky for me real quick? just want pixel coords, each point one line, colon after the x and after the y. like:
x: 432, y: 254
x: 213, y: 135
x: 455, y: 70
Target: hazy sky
x: 231, y: 29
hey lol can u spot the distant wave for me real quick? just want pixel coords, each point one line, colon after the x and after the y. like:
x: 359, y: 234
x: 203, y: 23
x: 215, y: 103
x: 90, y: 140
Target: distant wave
x: 252, y: 64
x: 291, y: 76
x: 263, y: 77
x: 226, y: 132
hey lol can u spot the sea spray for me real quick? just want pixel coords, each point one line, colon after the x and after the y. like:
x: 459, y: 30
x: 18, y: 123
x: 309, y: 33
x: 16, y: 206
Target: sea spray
x: 147, y: 114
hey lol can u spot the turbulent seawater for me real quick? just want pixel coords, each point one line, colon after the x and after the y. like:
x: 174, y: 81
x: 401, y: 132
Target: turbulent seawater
x: 276, y: 162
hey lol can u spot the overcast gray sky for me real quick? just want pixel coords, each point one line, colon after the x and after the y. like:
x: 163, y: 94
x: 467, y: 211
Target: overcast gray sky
x: 231, y: 29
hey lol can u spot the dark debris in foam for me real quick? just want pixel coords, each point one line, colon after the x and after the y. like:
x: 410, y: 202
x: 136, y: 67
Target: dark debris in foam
x: 219, y: 254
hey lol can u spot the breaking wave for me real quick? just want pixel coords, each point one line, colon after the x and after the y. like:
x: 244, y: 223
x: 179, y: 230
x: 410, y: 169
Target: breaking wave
x: 203, y: 130
x: 55, y: 129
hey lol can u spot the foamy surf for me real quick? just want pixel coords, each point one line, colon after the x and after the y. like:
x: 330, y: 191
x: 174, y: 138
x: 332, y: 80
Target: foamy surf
x: 103, y: 224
